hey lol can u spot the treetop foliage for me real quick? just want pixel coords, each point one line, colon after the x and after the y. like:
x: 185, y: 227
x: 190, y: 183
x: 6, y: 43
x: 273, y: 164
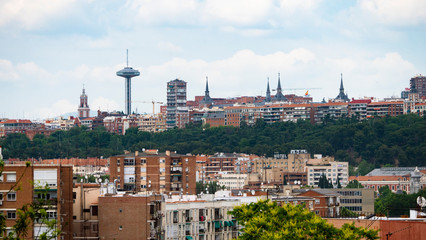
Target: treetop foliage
x: 266, y: 220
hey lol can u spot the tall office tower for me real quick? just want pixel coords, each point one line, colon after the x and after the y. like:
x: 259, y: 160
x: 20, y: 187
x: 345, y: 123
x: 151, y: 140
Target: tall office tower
x: 177, y: 111
x: 418, y: 85
x: 83, y: 108
x: 128, y: 73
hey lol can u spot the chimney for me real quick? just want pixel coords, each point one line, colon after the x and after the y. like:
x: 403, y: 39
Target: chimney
x: 167, y: 153
x: 136, y: 153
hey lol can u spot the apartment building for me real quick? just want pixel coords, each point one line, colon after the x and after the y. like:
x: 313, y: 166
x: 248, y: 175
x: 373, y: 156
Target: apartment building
x: 151, y: 171
x: 151, y: 122
x: 233, y: 181
x: 220, y: 163
x: 177, y: 111
x: 381, y: 109
x: 30, y: 187
x: 86, y: 211
x: 293, y: 162
x: 418, y: 85
x: 204, y: 218
x: 315, y: 168
x: 358, y: 108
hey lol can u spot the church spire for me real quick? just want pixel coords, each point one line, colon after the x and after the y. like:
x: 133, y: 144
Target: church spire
x: 279, y: 97
x: 268, y: 93
x: 207, y: 100
x: 207, y: 93
x: 342, y: 96
x: 279, y: 83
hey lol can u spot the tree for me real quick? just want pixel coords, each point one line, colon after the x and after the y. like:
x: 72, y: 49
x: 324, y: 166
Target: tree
x: 265, y: 220
x: 354, y: 184
x: 29, y: 213
x: 324, y: 182
x: 338, y: 183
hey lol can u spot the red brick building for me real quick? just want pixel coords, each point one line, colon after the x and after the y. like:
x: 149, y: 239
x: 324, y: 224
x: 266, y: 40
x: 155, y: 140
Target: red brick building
x: 129, y: 217
x: 59, y: 180
x: 151, y: 171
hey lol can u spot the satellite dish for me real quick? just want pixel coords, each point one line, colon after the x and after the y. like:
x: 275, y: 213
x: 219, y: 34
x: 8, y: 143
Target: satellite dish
x: 421, y: 201
x: 252, y: 192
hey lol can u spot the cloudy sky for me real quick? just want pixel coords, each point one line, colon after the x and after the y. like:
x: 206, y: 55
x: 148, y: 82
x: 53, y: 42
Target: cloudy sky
x: 49, y: 49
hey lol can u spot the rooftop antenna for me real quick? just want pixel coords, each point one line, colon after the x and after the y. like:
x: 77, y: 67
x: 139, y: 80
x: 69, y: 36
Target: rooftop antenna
x: 127, y: 57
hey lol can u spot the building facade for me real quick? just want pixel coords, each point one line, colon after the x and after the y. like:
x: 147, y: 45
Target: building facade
x: 151, y: 171
x: 177, y: 111
x: 31, y: 187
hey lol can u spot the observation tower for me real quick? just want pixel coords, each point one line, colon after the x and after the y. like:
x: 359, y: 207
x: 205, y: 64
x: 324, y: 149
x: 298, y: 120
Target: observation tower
x: 128, y: 73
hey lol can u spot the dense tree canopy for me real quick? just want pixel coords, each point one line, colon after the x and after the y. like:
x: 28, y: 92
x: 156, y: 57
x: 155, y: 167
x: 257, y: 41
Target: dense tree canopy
x: 395, y: 205
x: 266, y: 220
x: 397, y: 141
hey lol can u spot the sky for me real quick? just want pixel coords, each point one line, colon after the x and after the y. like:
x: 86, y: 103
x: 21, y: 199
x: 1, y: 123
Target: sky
x: 49, y: 50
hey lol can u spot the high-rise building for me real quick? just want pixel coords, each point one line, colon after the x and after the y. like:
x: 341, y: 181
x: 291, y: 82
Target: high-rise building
x: 177, y: 111
x: 128, y: 73
x: 418, y: 85
x: 83, y: 108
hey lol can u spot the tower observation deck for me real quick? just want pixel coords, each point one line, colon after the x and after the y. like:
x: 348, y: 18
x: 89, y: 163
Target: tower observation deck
x: 128, y: 73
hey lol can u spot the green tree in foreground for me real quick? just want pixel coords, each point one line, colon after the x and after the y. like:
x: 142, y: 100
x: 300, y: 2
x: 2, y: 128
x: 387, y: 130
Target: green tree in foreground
x: 266, y: 220
x: 29, y: 213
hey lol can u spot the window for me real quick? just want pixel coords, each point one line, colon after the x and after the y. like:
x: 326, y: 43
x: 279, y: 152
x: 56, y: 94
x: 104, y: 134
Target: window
x: 1, y: 178
x: 11, y: 214
x: 118, y: 162
x: 317, y: 201
x: 11, y: 177
x: 11, y: 196
x: 143, y: 169
x: 94, y: 210
x: 51, y: 215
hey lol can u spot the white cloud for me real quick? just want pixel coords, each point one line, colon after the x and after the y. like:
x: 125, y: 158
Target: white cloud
x: 170, y: 47
x: 56, y: 109
x: 7, y: 71
x: 237, y: 11
x: 31, y: 14
x: 154, y: 11
x: 104, y: 104
x: 395, y: 12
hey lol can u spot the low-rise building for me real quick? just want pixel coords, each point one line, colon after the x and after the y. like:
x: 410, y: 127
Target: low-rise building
x: 327, y: 202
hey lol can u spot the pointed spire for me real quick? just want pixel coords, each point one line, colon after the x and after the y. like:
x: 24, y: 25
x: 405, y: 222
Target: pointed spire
x: 84, y: 91
x: 279, y: 83
x: 342, y: 96
x: 207, y: 84
x: 279, y: 97
x: 268, y: 93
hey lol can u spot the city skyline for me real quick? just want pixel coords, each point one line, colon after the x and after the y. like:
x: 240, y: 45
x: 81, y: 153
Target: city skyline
x: 49, y: 52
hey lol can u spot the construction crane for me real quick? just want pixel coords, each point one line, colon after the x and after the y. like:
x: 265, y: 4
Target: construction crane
x: 153, y: 104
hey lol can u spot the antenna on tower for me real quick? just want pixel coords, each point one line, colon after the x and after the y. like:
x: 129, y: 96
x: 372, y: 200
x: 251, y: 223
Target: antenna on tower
x: 127, y: 57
